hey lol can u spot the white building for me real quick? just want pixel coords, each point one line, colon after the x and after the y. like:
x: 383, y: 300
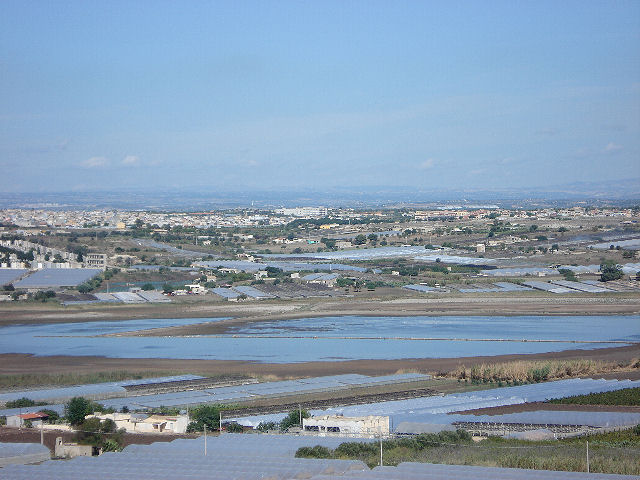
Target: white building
x: 303, y: 212
x: 196, y: 289
x: 140, y: 423
x: 95, y: 260
x: 336, y: 425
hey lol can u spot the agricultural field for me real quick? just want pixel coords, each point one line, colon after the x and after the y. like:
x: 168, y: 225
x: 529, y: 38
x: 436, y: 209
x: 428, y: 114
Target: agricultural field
x: 627, y: 397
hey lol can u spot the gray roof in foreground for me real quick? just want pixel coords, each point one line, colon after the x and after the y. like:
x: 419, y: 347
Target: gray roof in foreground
x: 22, y: 453
x: 8, y: 275
x: 256, y: 457
x: 16, y: 449
x: 57, y: 277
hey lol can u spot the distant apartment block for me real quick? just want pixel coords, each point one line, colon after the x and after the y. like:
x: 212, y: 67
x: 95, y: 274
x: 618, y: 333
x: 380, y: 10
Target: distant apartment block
x: 303, y: 212
x: 95, y: 260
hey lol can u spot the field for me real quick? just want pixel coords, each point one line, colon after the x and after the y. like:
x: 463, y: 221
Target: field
x: 627, y: 397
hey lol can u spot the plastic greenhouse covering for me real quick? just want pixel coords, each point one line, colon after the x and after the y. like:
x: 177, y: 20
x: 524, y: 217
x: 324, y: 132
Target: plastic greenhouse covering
x: 54, y: 277
x: 196, y: 397
x: 434, y: 409
x: 248, y: 457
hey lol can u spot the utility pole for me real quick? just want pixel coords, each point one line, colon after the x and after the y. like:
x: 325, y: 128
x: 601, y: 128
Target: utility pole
x: 300, y: 411
x: 205, y: 440
x: 220, y: 423
x: 380, y: 433
x: 587, y: 456
x: 41, y: 432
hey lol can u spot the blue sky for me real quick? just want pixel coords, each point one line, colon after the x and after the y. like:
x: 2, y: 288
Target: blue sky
x: 266, y: 94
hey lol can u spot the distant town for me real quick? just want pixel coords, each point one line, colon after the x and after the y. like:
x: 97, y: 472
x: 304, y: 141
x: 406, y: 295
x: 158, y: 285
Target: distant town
x: 80, y: 256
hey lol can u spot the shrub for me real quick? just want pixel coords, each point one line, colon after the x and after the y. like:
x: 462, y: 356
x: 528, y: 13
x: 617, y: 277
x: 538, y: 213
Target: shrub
x: 313, y: 452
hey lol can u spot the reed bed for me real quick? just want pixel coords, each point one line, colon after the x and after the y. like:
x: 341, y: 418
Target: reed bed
x: 538, y: 371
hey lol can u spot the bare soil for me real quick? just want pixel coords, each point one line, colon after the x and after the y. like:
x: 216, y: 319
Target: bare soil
x: 385, y: 302
x: 13, y: 364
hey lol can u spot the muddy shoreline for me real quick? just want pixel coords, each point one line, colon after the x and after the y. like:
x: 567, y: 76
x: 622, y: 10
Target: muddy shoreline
x: 238, y: 313
x: 17, y: 364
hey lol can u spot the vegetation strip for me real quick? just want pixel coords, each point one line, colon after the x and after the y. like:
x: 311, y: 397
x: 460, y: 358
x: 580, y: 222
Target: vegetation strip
x: 626, y: 396
x: 614, y: 452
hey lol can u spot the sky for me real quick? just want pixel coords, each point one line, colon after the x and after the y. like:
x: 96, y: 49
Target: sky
x: 226, y: 95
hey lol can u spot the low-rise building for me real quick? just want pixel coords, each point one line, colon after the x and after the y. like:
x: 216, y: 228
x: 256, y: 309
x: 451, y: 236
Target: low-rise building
x: 25, y: 419
x: 328, y: 279
x: 141, y: 423
x: 327, y: 425
x: 95, y: 260
x: 71, y: 450
x: 196, y: 289
x: 260, y: 274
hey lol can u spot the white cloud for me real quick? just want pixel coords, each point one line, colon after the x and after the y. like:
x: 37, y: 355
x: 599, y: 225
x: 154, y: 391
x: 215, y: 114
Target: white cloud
x: 612, y: 148
x: 428, y: 163
x: 131, y: 160
x: 95, y: 162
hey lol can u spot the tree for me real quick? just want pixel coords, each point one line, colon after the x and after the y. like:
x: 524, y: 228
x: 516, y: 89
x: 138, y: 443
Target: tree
x: 204, y: 415
x: 20, y: 403
x: 329, y: 242
x: 273, y: 272
x: 293, y: 419
x: 53, y: 415
x: 568, y: 274
x: 266, y: 426
x: 360, y: 240
x: 79, y: 407
x: 233, y: 427
x: 92, y: 431
x: 147, y: 286
x: 533, y: 228
x: 610, y: 271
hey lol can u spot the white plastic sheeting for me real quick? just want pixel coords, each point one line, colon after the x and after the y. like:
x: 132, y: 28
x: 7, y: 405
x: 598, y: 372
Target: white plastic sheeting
x: 229, y: 457
x: 556, y: 417
x: 229, y: 394
x: 22, y: 453
x: 248, y: 457
x: 56, y: 277
x: 433, y: 409
x: 86, y: 390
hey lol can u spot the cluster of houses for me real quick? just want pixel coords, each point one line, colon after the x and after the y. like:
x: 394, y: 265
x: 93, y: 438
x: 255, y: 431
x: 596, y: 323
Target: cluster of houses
x: 130, y: 422
x: 48, y: 257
